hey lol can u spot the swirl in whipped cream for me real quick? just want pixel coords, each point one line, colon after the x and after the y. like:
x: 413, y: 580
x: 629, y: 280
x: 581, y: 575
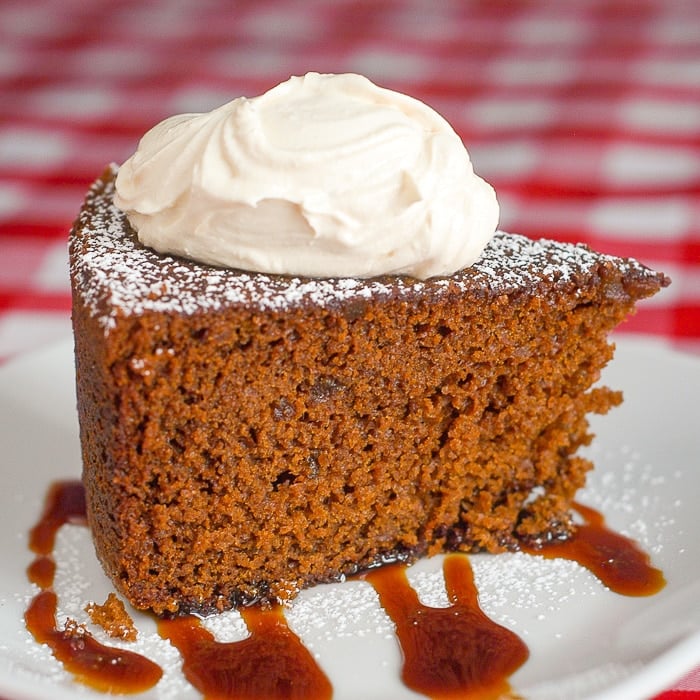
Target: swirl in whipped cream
x: 322, y: 176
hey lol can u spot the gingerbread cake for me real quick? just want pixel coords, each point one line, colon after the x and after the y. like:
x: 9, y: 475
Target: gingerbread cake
x: 246, y: 435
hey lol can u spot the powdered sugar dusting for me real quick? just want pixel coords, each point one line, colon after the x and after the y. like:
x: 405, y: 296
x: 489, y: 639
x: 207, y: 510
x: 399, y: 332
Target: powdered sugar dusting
x: 117, y: 276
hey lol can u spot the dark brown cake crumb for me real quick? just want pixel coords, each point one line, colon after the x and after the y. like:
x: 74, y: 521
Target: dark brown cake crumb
x: 113, y: 618
x: 74, y: 629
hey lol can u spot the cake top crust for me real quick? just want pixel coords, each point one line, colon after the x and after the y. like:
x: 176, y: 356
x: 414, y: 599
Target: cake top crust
x: 116, y: 276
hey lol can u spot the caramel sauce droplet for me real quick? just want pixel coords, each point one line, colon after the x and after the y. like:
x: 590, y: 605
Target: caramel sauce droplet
x: 42, y: 571
x: 101, y: 667
x: 614, y: 559
x: 453, y: 652
x: 65, y: 503
x: 271, y: 663
x: 104, y: 668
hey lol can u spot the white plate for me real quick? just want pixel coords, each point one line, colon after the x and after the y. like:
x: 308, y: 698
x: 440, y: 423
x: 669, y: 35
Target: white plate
x: 584, y: 641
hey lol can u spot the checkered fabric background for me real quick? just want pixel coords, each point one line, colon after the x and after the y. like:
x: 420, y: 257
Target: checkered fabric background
x: 584, y: 114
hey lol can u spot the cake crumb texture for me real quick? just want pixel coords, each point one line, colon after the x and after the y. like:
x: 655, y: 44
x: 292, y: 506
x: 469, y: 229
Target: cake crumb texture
x: 245, y: 436
x: 113, y: 618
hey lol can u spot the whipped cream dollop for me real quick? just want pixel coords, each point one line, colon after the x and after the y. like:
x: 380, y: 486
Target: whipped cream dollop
x: 323, y: 176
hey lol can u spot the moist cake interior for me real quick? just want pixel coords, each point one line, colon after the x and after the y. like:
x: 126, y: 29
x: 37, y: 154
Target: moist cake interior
x: 247, y: 435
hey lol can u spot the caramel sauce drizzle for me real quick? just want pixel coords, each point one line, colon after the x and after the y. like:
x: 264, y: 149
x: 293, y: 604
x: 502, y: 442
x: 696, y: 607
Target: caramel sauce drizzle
x: 271, y: 663
x: 453, y: 652
x: 614, y: 559
x: 104, y: 668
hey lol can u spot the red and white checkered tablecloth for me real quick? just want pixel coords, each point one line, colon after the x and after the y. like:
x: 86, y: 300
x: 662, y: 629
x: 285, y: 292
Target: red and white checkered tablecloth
x: 584, y: 114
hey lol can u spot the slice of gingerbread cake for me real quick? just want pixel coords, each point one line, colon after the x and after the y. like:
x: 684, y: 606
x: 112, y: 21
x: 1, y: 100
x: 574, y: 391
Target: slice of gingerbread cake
x: 246, y: 434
